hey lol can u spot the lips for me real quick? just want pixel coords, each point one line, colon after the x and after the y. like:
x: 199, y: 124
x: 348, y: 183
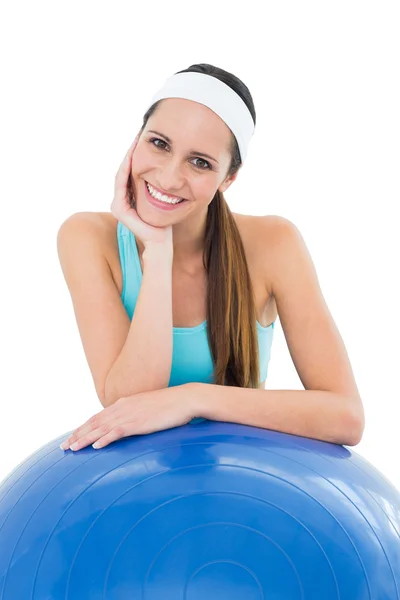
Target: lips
x: 163, y: 206
x: 161, y: 192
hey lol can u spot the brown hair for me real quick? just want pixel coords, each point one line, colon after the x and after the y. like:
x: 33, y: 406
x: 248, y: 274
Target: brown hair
x: 231, y: 313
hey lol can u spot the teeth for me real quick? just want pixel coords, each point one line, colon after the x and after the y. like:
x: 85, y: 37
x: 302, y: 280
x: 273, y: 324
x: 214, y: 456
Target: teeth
x: 161, y: 197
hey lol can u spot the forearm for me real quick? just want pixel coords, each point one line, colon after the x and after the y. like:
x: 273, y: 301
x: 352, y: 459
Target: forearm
x: 145, y: 361
x: 320, y: 415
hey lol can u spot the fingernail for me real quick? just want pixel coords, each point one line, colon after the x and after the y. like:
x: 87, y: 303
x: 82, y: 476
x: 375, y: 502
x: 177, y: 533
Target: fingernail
x: 96, y: 445
x: 64, y: 446
x: 74, y: 446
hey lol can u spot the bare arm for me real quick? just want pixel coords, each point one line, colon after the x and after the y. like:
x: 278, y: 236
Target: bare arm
x: 317, y: 414
x: 145, y: 361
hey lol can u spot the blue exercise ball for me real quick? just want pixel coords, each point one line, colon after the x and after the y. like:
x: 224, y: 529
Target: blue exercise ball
x: 205, y: 511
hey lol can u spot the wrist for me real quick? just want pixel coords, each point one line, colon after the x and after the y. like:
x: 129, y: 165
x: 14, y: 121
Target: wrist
x: 199, y: 398
x: 158, y: 253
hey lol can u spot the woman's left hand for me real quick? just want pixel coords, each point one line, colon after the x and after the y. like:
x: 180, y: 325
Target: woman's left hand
x: 139, y: 414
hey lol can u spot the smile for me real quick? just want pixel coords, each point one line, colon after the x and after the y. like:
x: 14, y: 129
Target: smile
x: 163, y: 201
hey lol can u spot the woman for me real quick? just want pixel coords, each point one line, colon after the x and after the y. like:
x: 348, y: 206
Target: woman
x: 176, y: 297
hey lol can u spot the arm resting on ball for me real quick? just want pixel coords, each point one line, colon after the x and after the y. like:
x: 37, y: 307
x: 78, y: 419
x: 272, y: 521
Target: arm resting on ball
x: 321, y: 415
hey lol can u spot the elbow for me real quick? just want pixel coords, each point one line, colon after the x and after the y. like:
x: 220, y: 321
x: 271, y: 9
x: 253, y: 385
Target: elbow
x: 106, y: 399
x: 356, y: 426
x: 108, y: 395
x: 354, y: 438
x: 102, y: 399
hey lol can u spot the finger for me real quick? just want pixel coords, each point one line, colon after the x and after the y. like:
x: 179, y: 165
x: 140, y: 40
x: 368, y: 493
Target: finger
x: 105, y: 434
x: 123, y: 171
x: 92, y: 436
x: 121, y: 181
x: 84, y: 429
x: 102, y: 417
x: 118, y: 432
x: 134, y: 144
x: 99, y: 425
x: 93, y: 423
x: 131, y: 149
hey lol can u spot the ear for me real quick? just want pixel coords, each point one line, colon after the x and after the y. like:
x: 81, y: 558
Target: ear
x: 226, y: 184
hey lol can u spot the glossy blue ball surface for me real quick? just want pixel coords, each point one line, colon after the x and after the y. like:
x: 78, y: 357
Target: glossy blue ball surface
x: 201, y: 512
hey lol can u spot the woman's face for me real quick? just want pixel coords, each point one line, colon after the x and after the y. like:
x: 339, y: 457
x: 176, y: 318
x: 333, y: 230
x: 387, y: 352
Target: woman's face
x: 170, y: 157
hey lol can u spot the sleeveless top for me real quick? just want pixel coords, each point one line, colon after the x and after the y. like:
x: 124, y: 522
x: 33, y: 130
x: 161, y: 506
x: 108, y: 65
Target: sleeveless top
x: 191, y: 356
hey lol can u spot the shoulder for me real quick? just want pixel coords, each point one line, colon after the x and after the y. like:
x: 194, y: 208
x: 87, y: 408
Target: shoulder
x: 289, y: 267
x: 93, y: 220
x: 266, y: 228
x: 85, y: 234
x: 97, y: 225
x: 90, y: 237
x: 275, y: 227
x: 275, y: 240
x: 282, y: 238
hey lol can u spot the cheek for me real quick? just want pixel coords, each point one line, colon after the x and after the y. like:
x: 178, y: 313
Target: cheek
x: 207, y: 189
x: 142, y: 161
x: 139, y: 164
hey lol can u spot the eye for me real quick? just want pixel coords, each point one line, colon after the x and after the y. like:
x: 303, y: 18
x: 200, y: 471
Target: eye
x: 203, y: 161
x: 153, y: 140
x: 157, y: 140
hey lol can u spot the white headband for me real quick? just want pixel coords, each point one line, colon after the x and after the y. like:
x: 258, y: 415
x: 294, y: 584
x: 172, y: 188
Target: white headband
x: 218, y: 96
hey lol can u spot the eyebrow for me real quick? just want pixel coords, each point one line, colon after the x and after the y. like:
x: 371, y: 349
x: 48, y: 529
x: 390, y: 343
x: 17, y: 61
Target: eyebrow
x: 192, y: 152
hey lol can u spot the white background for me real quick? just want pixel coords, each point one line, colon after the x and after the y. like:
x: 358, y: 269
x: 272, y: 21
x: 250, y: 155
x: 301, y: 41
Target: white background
x: 77, y: 78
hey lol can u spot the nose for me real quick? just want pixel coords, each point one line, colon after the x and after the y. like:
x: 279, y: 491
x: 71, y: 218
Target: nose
x: 170, y: 178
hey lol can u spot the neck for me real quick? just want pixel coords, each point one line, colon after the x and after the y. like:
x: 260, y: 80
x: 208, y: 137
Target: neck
x: 188, y: 239
x: 188, y: 246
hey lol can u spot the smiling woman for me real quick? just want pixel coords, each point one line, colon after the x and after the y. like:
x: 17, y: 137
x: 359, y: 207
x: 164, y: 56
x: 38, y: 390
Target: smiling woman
x: 186, y: 158
x: 208, y: 169
x: 187, y: 149
x: 184, y: 294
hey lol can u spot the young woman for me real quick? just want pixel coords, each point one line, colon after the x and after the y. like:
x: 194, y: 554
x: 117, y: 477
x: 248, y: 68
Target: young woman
x: 175, y: 296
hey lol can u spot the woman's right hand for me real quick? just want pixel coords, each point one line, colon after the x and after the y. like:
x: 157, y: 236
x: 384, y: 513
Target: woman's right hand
x: 122, y: 207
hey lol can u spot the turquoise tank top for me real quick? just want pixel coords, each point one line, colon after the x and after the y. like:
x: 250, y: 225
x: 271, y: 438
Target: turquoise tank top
x: 191, y: 355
